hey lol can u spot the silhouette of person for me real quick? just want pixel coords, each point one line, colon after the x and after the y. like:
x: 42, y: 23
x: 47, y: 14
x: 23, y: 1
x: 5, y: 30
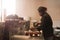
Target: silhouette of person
x: 46, y: 23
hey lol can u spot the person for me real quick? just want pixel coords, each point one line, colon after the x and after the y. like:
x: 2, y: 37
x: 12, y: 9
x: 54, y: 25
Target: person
x: 46, y: 23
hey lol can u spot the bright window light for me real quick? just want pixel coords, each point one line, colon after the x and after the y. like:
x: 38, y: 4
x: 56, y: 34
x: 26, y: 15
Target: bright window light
x: 0, y: 8
x: 9, y: 6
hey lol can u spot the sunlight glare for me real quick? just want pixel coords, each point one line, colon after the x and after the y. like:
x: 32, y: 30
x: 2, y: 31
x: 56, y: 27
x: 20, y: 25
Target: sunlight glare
x: 9, y: 6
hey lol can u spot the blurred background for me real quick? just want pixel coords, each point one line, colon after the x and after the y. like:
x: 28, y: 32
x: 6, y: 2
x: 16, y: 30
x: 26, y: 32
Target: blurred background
x: 20, y: 15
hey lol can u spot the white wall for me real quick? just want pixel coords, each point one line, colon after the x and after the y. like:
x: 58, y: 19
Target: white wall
x: 28, y: 8
x: 54, y: 10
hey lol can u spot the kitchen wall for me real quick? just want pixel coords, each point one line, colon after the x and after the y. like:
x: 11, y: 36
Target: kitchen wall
x: 28, y: 9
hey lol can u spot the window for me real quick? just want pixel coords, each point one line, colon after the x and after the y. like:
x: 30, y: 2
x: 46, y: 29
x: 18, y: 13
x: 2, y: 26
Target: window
x: 7, y: 7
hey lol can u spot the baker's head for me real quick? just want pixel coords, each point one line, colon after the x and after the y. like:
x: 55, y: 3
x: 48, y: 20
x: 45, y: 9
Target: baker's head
x: 41, y: 10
